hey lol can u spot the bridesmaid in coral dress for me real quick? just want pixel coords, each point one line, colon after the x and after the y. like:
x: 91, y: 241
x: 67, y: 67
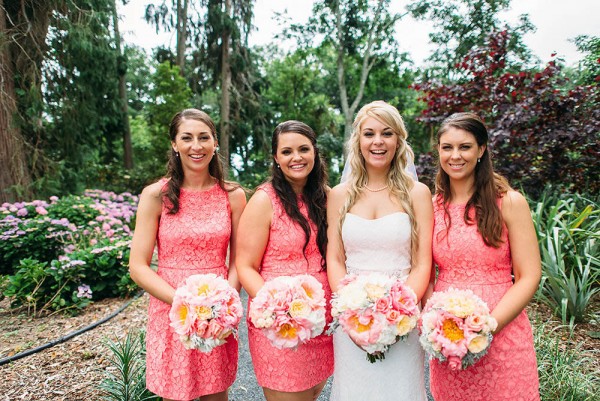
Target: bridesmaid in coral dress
x: 484, y: 240
x: 192, y: 216
x: 283, y: 232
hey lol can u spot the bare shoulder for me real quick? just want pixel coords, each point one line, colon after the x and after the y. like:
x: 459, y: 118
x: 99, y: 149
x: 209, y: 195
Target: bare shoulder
x: 420, y: 192
x: 260, y: 200
x: 514, y: 205
x: 337, y: 195
x: 153, y: 191
x: 236, y: 194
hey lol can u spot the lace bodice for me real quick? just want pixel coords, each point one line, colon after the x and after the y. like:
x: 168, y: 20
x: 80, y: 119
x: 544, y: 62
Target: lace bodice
x: 198, y: 235
x: 283, y: 254
x: 381, y: 245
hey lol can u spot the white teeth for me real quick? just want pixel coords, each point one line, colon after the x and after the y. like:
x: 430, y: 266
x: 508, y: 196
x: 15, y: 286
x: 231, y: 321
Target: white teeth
x: 197, y: 157
x: 378, y: 152
x: 297, y: 167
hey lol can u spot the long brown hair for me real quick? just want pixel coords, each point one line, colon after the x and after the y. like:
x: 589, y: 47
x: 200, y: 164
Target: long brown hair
x: 489, y: 186
x: 314, y: 192
x: 172, y: 189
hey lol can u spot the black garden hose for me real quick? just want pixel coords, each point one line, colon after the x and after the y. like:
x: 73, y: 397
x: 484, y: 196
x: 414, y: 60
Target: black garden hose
x: 75, y: 333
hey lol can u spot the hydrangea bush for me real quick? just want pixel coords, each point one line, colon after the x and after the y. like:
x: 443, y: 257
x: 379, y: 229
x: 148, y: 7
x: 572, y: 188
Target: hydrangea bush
x: 59, y: 255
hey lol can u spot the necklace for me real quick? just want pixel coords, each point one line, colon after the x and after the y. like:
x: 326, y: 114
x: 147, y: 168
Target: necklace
x: 375, y: 190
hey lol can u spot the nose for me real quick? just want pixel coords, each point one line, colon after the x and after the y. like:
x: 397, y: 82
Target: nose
x: 455, y: 153
x: 297, y: 156
x: 378, y: 139
x: 196, y: 144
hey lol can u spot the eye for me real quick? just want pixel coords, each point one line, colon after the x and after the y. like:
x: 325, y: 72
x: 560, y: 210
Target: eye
x: 446, y: 147
x: 388, y: 134
x: 368, y: 134
x: 465, y: 147
x: 286, y: 152
x: 205, y: 138
x: 305, y: 149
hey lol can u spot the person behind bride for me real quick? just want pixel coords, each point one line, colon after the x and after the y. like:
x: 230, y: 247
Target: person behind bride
x: 380, y: 219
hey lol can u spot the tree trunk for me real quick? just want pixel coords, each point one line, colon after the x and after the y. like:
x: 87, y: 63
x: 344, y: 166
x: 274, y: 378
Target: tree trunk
x: 225, y: 87
x: 122, y: 70
x: 15, y: 176
x: 182, y: 12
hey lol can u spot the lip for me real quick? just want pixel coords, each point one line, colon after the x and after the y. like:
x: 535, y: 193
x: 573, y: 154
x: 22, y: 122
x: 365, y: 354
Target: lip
x: 378, y: 152
x: 296, y: 167
x: 197, y: 158
x: 456, y: 166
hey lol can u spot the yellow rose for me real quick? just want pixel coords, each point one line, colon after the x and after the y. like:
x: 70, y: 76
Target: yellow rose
x: 299, y: 308
x: 203, y: 312
x: 374, y: 291
x: 478, y: 344
x: 405, y: 325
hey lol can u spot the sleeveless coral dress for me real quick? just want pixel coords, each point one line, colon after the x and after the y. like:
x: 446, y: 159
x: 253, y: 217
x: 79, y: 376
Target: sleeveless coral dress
x: 290, y: 370
x: 192, y: 241
x: 509, y: 370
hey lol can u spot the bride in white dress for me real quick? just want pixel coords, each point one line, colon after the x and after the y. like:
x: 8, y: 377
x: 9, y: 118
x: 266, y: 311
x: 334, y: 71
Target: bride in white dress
x: 381, y: 220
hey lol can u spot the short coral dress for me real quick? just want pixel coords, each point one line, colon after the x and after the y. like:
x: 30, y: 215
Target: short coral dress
x: 508, y: 372
x: 193, y: 241
x: 290, y: 370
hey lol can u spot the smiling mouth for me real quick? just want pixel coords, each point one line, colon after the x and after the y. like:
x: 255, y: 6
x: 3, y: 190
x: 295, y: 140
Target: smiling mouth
x: 454, y: 165
x: 297, y: 167
x: 378, y: 152
x: 197, y: 157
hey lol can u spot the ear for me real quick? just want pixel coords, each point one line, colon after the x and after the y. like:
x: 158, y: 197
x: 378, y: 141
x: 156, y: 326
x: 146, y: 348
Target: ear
x: 482, y: 149
x: 275, y: 158
x: 174, y: 146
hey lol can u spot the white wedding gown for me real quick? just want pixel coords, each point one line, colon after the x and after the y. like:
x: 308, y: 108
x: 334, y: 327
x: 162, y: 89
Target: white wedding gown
x: 381, y: 245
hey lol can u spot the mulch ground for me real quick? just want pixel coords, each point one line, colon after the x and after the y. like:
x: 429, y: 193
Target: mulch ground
x: 73, y: 370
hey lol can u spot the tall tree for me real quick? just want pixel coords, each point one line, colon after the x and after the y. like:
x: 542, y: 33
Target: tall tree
x: 122, y: 71
x: 361, y: 32
x: 15, y: 173
x: 462, y: 25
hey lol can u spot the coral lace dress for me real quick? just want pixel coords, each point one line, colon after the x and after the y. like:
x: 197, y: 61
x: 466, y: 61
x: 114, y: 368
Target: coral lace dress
x: 193, y: 241
x: 290, y: 370
x: 509, y: 370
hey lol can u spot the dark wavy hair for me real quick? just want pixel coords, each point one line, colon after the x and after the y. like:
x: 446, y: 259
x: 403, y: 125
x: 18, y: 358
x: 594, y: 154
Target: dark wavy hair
x: 314, y: 192
x: 489, y: 186
x: 174, y: 168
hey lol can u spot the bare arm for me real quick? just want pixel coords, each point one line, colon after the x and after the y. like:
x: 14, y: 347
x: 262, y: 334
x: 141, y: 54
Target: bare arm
x: 525, y: 255
x: 336, y: 256
x: 142, y: 245
x: 252, y: 239
x: 237, y: 200
x: 420, y: 272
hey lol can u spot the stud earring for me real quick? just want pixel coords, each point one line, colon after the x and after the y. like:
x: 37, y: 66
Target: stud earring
x: 177, y: 154
x: 478, y: 160
x: 278, y: 166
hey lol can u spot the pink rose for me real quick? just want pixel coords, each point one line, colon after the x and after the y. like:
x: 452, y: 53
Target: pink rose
x: 475, y: 323
x: 454, y: 363
x: 382, y: 305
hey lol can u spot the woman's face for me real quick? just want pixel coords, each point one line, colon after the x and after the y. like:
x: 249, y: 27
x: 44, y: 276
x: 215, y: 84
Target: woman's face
x: 458, y: 153
x: 378, y: 144
x: 195, y: 144
x: 296, y: 158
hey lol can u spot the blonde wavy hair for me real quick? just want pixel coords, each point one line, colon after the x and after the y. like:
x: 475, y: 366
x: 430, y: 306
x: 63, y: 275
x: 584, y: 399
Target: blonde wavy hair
x: 398, y: 180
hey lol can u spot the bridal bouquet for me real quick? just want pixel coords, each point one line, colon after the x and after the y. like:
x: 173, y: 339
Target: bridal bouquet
x: 205, y: 311
x: 375, y: 310
x: 456, y: 327
x: 290, y: 310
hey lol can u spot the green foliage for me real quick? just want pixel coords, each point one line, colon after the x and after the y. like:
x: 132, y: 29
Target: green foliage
x: 125, y: 379
x: 42, y: 288
x: 565, y: 372
x: 589, y: 66
x: 568, y: 230
x: 465, y: 24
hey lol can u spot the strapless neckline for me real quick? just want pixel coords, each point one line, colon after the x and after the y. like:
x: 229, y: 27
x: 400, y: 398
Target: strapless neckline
x: 378, y: 218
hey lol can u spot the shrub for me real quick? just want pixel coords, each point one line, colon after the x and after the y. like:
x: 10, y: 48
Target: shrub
x: 568, y: 232
x: 125, y: 378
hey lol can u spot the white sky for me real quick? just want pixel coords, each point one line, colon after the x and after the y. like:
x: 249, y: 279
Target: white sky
x: 557, y: 22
